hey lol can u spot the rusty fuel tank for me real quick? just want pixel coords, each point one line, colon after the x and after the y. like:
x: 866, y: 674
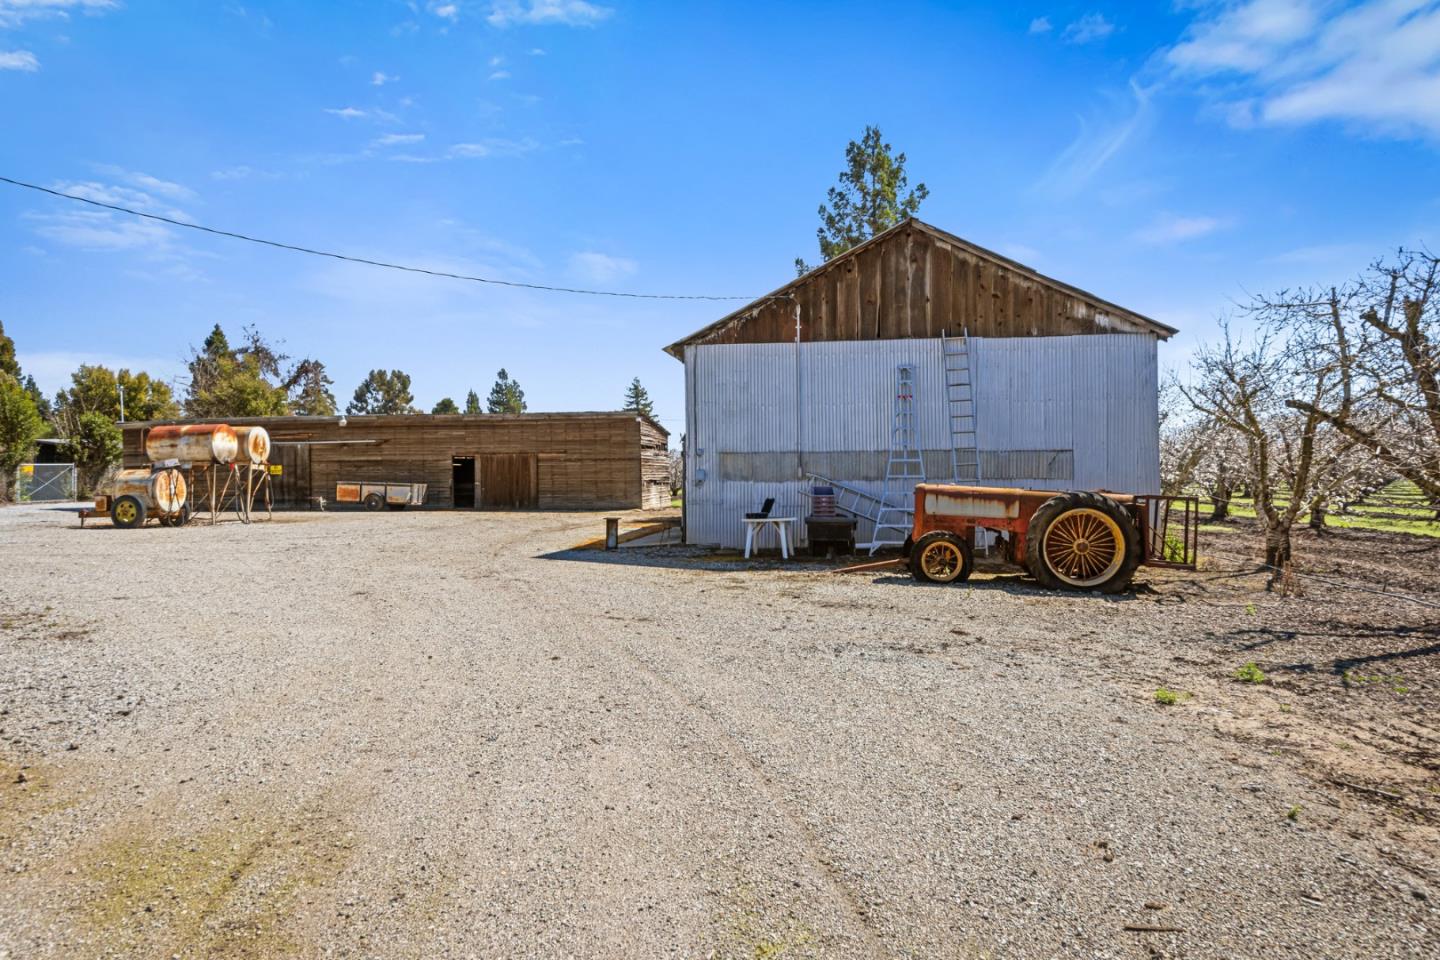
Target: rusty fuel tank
x: 162, y: 491
x: 254, y: 444
x: 193, y: 443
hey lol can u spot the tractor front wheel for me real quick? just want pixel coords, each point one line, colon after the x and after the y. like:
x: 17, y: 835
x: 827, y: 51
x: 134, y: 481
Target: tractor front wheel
x: 941, y: 557
x: 1082, y: 541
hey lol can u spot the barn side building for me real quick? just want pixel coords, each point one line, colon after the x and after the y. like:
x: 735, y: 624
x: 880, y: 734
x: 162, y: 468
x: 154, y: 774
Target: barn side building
x: 802, y: 383
x: 546, y: 461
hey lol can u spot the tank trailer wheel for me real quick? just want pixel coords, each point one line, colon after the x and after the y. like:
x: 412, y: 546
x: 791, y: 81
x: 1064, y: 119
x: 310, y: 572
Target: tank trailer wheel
x: 165, y: 520
x: 127, y: 512
x: 374, y: 502
x: 941, y: 557
x: 1082, y: 541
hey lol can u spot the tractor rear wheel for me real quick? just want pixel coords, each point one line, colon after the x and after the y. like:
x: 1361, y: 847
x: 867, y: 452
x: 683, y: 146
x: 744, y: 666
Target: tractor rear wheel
x: 1082, y: 541
x: 941, y: 557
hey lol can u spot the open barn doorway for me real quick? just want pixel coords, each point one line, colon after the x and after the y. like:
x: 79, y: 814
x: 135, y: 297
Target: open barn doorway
x: 462, y: 482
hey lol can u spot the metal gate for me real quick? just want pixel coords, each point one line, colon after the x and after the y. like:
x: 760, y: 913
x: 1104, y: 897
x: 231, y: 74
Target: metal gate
x: 38, y: 482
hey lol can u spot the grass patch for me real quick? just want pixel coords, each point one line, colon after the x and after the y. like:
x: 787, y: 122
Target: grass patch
x: 1293, y: 814
x: 1169, y: 698
x: 1398, y: 508
x: 1250, y: 673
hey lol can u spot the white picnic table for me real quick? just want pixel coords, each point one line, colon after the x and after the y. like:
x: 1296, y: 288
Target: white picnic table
x: 784, y: 528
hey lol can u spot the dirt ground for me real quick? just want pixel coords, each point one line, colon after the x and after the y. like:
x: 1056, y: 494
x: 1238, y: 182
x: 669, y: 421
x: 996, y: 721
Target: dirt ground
x: 442, y: 734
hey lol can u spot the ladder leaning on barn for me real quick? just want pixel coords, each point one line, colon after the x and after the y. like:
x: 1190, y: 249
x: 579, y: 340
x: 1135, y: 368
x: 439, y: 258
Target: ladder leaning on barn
x: 904, y: 467
x: 960, y: 406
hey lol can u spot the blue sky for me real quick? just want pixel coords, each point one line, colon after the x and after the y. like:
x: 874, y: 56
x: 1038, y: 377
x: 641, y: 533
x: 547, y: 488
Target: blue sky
x: 1167, y: 157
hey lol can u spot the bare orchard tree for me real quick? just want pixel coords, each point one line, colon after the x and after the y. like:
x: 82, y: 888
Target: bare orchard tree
x: 1243, y: 386
x: 1197, y: 452
x: 1381, y: 334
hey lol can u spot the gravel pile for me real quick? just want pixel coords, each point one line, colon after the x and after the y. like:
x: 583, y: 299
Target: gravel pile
x: 442, y: 735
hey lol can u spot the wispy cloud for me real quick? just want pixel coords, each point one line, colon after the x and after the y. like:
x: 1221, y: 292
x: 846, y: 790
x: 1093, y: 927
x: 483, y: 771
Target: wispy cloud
x: 242, y: 172
x: 1088, y: 29
x: 379, y: 78
x: 145, y: 182
x: 1099, y: 141
x: 601, y: 267
x: 1177, y: 229
x: 1374, y: 65
x: 18, y: 60
x: 572, y: 13
x: 95, y: 230
x: 1040, y: 25
x: 398, y: 139
x: 15, y: 12
x: 445, y: 11
x: 492, y: 147
x: 347, y: 113
x: 500, y: 75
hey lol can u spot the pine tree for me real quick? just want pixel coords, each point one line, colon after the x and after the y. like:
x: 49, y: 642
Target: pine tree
x: 382, y: 393
x: 638, y: 399
x: 446, y: 406
x: 869, y: 199
x: 506, y: 396
x: 472, y: 403
x: 8, y: 363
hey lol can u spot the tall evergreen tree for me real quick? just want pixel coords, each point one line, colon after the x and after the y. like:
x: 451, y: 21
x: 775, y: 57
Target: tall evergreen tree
x: 383, y: 392
x: 870, y: 198
x: 446, y: 405
x: 638, y: 400
x: 506, y: 396
x: 20, y: 426
x: 308, y: 387
x: 472, y: 403
x: 236, y: 382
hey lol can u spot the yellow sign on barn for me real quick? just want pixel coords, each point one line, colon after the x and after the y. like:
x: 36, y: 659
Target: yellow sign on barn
x: 276, y: 469
x: 27, y: 468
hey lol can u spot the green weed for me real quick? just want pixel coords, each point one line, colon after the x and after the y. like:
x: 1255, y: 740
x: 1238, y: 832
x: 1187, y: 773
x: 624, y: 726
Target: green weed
x: 1250, y: 673
x: 1168, y: 698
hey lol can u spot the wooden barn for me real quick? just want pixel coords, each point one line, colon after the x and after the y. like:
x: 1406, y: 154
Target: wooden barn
x: 544, y: 461
x: 1012, y: 378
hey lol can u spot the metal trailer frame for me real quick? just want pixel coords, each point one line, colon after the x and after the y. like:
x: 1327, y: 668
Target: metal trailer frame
x: 396, y: 496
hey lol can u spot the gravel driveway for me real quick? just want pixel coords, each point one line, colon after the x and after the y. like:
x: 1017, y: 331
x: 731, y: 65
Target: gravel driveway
x: 437, y: 734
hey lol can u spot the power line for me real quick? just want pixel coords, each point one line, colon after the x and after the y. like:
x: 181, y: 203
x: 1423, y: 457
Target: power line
x: 363, y: 260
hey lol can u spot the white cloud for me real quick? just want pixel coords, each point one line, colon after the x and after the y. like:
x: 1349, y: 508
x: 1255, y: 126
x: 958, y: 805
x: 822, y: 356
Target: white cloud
x: 398, y: 139
x: 496, y: 60
x: 18, y: 60
x: 145, y: 182
x: 1098, y: 142
x: 348, y: 113
x: 491, y: 147
x: 15, y: 12
x: 380, y: 78
x: 1374, y: 65
x: 500, y: 75
x: 573, y: 13
x: 446, y: 11
x: 1174, y: 229
x: 601, y: 267
x: 1040, y: 25
x: 537, y: 51
x: 1089, y: 28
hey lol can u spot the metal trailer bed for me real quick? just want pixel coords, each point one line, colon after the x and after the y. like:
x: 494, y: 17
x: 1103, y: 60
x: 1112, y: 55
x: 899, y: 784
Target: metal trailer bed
x: 377, y: 494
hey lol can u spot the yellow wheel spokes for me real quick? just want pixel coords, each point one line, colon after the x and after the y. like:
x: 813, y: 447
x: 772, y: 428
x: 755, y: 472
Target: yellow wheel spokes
x: 1084, y: 547
x: 941, y: 560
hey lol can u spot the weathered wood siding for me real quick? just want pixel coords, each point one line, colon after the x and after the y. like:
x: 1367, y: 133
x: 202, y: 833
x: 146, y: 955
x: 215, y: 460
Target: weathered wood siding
x: 914, y: 282
x: 582, y: 461
x: 654, y: 479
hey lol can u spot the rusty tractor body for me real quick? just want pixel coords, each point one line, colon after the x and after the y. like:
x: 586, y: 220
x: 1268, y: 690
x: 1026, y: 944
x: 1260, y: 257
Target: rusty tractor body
x: 1079, y: 539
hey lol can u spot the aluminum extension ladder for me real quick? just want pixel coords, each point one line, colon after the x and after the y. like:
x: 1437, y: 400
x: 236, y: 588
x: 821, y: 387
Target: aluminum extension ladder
x: 904, y: 467
x: 960, y: 405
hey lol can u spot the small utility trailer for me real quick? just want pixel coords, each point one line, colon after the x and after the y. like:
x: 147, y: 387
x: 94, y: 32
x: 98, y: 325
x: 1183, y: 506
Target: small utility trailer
x: 375, y: 495
x: 1080, y: 539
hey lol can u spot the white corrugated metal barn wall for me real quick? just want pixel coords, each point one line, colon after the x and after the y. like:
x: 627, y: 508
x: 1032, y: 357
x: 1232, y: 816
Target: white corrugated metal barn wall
x: 1053, y: 413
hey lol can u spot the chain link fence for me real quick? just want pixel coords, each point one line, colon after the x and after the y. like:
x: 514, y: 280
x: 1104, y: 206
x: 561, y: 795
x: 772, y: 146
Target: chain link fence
x: 38, y: 482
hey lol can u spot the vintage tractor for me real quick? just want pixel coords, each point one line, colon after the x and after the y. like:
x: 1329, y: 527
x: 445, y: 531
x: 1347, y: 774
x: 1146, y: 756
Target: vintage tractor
x: 1081, y: 540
